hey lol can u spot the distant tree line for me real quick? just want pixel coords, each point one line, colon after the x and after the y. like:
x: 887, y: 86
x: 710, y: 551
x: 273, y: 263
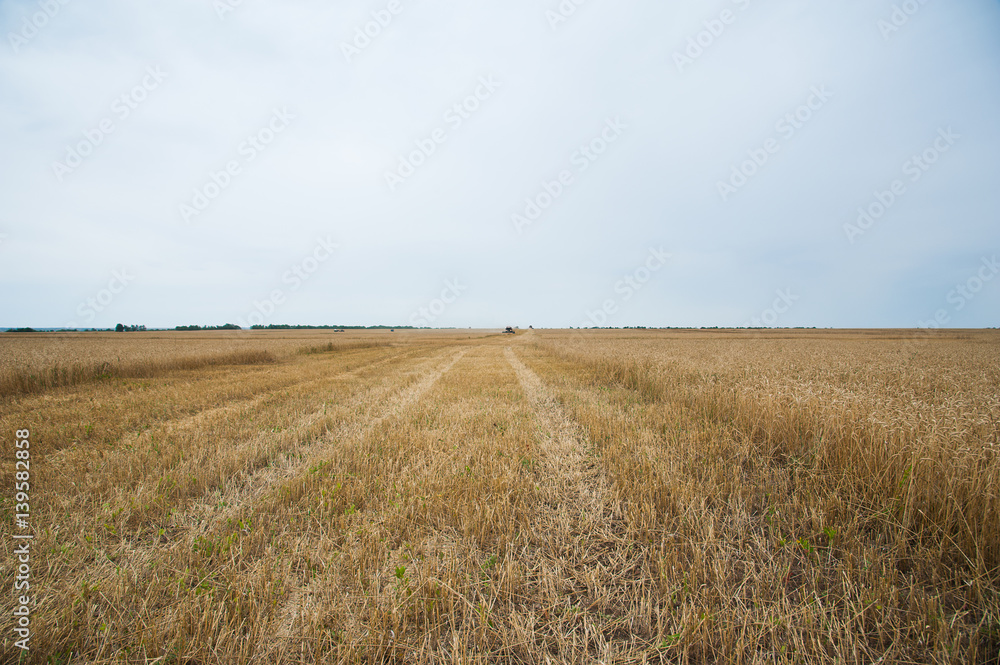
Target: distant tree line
x: 285, y: 326
x: 121, y: 327
x: 225, y: 326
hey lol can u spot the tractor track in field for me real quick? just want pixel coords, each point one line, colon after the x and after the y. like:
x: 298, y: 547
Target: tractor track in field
x: 86, y: 493
x: 166, y: 428
x: 580, y: 547
x: 202, y: 515
x: 170, y: 425
x: 255, y: 484
x: 293, y: 606
x: 581, y: 485
x: 578, y: 550
x: 355, y: 429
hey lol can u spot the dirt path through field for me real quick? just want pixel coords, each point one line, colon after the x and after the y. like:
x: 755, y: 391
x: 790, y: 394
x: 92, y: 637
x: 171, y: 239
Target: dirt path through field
x: 584, y: 555
x: 573, y: 482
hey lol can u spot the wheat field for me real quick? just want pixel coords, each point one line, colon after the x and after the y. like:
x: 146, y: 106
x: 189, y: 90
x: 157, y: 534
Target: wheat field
x: 591, y: 496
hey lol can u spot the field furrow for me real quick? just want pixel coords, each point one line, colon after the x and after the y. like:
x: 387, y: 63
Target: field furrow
x: 580, y: 539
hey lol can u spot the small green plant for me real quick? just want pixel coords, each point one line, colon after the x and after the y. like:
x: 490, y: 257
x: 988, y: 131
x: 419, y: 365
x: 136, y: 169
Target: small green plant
x: 483, y: 613
x: 58, y: 658
x: 670, y: 640
x: 86, y: 591
x: 203, y: 546
x: 63, y: 549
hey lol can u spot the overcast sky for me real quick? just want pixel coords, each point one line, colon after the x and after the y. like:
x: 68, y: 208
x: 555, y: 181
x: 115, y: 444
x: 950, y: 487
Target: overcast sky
x: 500, y: 163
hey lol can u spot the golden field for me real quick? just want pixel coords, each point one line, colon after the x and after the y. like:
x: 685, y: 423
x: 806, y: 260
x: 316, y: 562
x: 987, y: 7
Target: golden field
x: 468, y: 497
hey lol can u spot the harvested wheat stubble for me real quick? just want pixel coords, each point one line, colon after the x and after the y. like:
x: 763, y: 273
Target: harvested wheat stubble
x: 550, y: 497
x: 132, y: 524
x: 581, y: 530
x: 833, y: 498
x: 37, y: 362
